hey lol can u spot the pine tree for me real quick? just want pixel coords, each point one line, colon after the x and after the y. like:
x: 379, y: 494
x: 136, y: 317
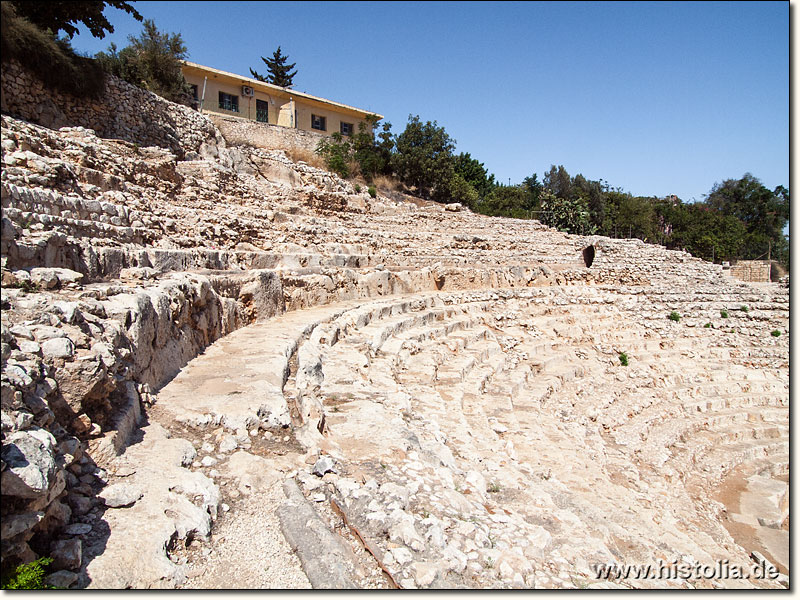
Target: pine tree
x: 279, y: 71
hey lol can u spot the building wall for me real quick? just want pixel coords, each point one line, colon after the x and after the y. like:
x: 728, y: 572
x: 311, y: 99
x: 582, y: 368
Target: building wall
x: 332, y: 118
x: 247, y: 105
x: 279, y: 104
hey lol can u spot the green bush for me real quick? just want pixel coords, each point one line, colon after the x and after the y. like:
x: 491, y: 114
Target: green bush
x: 674, y: 316
x: 29, y: 576
x: 623, y: 359
x: 372, y: 191
x: 357, y: 188
x: 723, y: 314
x: 337, y: 153
x: 707, y: 325
x: 776, y: 333
x: 744, y: 308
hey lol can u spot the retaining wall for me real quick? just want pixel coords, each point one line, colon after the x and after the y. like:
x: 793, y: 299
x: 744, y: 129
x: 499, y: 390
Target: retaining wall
x: 124, y: 112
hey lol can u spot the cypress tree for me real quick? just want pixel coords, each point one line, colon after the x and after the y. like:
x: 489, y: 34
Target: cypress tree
x: 280, y: 73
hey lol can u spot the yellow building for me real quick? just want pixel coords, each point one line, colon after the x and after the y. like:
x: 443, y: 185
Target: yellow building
x: 224, y: 93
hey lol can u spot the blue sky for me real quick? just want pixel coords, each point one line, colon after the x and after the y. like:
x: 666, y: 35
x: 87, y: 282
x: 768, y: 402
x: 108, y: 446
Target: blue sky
x: 656, y: 98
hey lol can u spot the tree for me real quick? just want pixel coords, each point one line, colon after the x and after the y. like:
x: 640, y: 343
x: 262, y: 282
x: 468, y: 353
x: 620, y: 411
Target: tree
x: 592, y: 192
x: 57, y: 15
x: 763, y: 212
x: 474, y: 173
x: 558, y: 181
x: 424, y: 158
x: 279, y: 72
x: 533, y: 188
x: 371, y: 154
x: 457, y: 189
x: 152, y: 61
x: 506, y: 201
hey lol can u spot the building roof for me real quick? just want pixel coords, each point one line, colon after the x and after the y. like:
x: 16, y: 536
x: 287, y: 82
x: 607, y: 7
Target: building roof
x: 275, y: 89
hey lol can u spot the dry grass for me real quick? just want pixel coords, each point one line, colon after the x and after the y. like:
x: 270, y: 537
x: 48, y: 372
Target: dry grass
x: 386, y: 183
x: 307, y: 156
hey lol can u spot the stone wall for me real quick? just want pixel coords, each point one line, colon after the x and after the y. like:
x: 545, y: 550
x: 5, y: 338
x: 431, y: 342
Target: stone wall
x: 78, y: 384
x: 263, y: 135
x: 124, y: 112
x: 751, y: 270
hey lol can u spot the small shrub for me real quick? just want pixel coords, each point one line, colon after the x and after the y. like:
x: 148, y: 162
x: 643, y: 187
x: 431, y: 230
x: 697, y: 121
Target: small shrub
x: 26, y: 285
x: 776, y: 333
x: 372, y: 191
x: 707, y: 325
x: 674, y: 316
x: 29, y: 576
x: 744, y: 308
x: 494, y: 487
x: 623, y: 359
x: 723, y: 314
x: 357, y: 188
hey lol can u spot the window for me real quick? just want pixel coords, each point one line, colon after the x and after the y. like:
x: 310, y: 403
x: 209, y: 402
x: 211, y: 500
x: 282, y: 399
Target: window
x: 194, y: 91
x: 318, y: 122
x: 228, y: 102
x: 262, y: 111
x: 346, y: 128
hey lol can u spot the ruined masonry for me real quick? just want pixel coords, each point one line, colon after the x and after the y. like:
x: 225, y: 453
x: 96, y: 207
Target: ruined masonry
x: 221, y: 368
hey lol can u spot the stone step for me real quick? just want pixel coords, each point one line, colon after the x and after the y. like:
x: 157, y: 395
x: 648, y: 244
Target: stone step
x: 723, y: 450
x: 665, y: 429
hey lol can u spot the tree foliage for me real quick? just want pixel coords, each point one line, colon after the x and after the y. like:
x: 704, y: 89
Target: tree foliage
x: 566, y: 214
x: 424, y: 158
x: 763, y: 212
x: 473, y: 172
x: 279, y: 73
x: 59, y: 15
x: 337, y: 152
x: 505, y: 201
x: 151, y: 61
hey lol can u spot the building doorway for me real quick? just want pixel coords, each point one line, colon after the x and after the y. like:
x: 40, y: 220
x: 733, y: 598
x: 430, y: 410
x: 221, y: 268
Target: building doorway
x: 262, y: 111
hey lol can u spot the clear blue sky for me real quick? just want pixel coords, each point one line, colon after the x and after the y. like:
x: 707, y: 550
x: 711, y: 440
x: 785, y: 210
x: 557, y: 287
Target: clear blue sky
x: 656, y: 98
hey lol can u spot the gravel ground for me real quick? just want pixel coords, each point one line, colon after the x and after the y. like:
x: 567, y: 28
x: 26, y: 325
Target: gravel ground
x: 248, y: 550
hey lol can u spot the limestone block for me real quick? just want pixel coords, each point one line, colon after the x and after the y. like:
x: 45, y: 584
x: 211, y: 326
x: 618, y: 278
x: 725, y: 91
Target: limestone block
x: 30, y: 463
